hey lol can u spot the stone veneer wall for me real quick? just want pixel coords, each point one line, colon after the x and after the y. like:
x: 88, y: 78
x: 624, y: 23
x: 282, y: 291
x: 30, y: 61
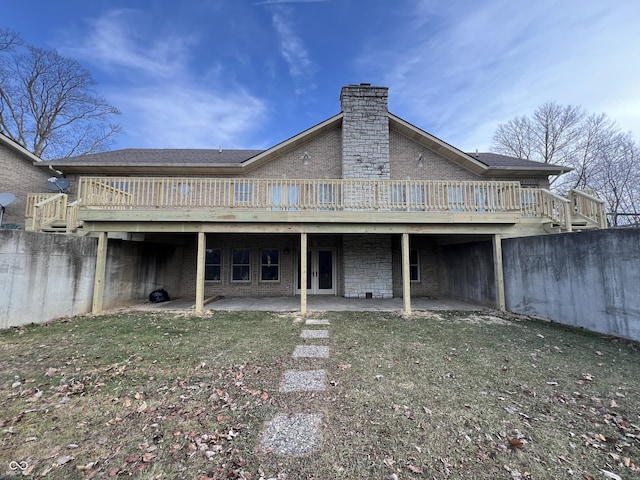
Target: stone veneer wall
x: 365, y: 132
x: 368, y: 266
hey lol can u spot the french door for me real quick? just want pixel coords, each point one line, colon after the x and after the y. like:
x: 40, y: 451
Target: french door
x: 320, y: 272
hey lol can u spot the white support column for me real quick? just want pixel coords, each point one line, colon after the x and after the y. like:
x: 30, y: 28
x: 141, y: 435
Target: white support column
x: 101, y: 269
x: 498, y: 272
x: 406, y: 273
x: 303, y: 273
x: 200, y: 267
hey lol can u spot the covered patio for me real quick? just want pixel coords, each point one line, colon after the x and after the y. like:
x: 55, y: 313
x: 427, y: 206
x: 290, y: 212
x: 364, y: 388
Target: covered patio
x: 314, y: 303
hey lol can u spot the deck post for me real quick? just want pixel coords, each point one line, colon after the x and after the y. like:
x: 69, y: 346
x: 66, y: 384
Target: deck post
x: 101, y: 269
x: 303, y: 273
x: 498, y: 272
x: 406, y: 274
x: 200, y: 267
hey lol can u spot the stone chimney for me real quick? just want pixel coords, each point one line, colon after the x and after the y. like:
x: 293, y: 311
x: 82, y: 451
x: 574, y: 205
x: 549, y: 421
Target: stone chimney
x: 365, y: 132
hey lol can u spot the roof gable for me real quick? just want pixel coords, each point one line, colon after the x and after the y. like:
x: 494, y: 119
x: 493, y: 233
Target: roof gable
x: 19, y: 149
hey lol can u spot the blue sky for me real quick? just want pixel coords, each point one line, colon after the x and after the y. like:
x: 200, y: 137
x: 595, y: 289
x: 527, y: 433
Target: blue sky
x: 250, y: 74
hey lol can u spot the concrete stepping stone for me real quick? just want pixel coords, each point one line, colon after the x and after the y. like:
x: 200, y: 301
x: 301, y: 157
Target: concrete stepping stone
x: 311, y: 351
x: 292, y: 435
x: 302, y: 380
x: 315, y: 321
x: 315, y: 334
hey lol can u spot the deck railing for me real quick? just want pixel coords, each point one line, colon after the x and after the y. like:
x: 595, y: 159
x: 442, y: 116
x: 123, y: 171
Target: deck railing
x: 49, y: 210
x: 118, y: 193
x: 588, y: 207
x: 189, y: 193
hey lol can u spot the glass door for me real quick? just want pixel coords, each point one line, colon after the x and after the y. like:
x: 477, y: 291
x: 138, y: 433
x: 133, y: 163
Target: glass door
x: 320, y: 272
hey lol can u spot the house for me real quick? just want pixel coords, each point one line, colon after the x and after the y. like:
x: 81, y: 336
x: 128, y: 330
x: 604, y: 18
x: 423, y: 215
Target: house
x: 20, y: 177
x: 361, y: 205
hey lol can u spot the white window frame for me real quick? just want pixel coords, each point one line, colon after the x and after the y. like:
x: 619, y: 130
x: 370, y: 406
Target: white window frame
x: 415, y: 265
x: 243, y: 192
x: 240, y: 265
x: 219, y: 265
x: 269, y: 265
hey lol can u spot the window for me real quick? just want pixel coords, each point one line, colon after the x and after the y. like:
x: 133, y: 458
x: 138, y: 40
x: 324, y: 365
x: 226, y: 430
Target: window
x: 326, y: 198
x: 212, y: 264
x: 416, y: 198
x: 243, y: 192
x: 398, y: 197
x: 455, y: 198
x: 287, y: 200
x: 270, y: 265
x: 414, y: 266
x: 241, y: 265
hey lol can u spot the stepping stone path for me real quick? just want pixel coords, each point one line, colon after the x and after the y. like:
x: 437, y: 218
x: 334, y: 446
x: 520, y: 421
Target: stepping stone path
x: 299, y: 433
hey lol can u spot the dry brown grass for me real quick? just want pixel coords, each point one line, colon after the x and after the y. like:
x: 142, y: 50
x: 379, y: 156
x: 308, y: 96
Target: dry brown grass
x: 447, y: 395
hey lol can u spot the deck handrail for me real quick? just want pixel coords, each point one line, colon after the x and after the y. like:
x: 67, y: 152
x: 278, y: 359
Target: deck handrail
x: 32, y: 200
x: 50, y: 210
x: 117, y: 193
x: 556, y: 208
x: 588, y: 207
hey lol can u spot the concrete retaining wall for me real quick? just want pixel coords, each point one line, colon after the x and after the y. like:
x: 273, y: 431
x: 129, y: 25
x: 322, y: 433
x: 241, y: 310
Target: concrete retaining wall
x: 584, y: 279
x: 466, y: 272
x: 45, y: 276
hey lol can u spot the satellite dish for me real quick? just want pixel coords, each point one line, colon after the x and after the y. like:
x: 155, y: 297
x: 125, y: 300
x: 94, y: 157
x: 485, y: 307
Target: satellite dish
x: 6, y: 199
x: 57, y: 184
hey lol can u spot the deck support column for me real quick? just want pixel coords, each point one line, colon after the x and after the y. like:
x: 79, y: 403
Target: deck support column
x: 406, y: 274
x: 101, y: 270
x: 498, y: 272
x: 200, y: 267
x: 303, y: 273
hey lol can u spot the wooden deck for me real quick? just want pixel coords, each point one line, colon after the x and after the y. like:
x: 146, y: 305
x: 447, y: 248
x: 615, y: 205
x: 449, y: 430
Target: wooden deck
x: 245, y: 204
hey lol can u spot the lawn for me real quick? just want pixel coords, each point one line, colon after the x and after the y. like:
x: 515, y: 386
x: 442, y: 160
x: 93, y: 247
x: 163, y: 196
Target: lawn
x: 434, y: 395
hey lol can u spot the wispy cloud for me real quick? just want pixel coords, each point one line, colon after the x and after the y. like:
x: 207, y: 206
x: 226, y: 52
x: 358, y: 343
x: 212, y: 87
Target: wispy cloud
x: 115, y: 41
x: 184, y: 116
x: 163, y: 101
x: 462, y: 69
x: 293, y: 50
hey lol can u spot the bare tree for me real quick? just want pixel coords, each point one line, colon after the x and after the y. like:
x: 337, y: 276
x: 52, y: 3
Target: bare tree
x: 604, y: 160
x: 47, y: 102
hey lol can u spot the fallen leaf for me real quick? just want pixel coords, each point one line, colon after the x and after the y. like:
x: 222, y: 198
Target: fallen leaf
x: 588, y: 476
x: 62, y: 460
x: 515, y: 442
x: 142, y: 407
x: 600, y: 438
x: 611, y: 475
x: 414, y: 469
x: 147, y: 457
x: 344, y: 366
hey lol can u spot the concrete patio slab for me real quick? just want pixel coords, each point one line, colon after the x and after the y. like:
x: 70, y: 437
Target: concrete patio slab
x: 311, y: 351
x: 318, y: 303
x: 314, y: 334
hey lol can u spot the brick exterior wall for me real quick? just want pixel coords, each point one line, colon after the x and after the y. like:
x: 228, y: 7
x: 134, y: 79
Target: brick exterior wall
x: 20, y: 177
x: 324, y: 160
x: 404, y: 162
x: 289, y: 247
x: 365, y: 132
x: 367, y: 266
x: 429, y: 285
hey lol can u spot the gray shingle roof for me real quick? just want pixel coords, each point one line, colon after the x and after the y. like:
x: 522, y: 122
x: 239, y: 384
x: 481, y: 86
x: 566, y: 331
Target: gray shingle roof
x: 159, y: 157
x: 498, y: 161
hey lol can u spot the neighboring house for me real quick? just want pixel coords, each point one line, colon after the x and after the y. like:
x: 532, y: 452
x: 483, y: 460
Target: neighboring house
x: 19, y: 176
x: 357, y: 206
